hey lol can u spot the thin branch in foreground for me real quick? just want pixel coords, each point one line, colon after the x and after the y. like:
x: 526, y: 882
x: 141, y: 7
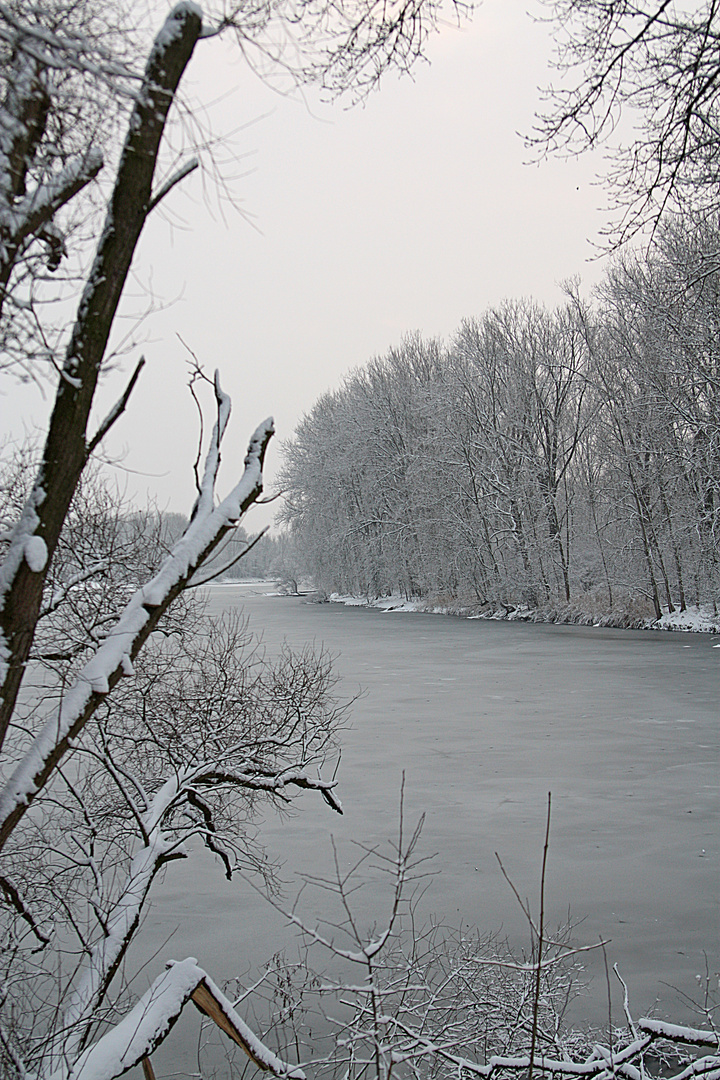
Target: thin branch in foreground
x: 224, y: 569
x: 540, y: 941
x: 118, y: 409
x: 176, y: 178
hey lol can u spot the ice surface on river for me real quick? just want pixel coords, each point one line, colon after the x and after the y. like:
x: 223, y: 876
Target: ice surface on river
x: 485, y: 718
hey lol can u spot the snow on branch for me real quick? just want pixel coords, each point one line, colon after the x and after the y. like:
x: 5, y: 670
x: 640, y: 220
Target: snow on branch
x: 273, y: 783
x: 678, y: 1033
x: 60, y: 51
x: 107, y: 954
x: 140, y: 617
x: 210, y: 999
x: 233, y: 562
x: 23, y: 214
x: 65, y: 452
x: 601, y: 1063
x: 160, y: 846
x: 22, y: 535
x: 176, y: 178
x: 26, y: 217
x: 546, y: 962
x: 65, y: 588
x: 212, y: 460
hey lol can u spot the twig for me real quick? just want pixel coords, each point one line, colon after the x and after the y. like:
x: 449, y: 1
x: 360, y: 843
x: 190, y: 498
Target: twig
x: 117, y: 410
x: 182, y: 172
x: 229, y: 566
x: 538, y: 972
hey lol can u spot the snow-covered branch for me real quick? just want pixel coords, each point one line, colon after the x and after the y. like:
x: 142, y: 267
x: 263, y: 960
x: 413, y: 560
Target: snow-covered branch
x: 273, y: 783
x: 112, y: 659
x: 60, y: 594
x: 109, y: 951
x: 565, y: 951
x: 27, y: 216
x: 176, y: 178
x: 56, y: 50
x: 159, y: 813
x: 679, y: 1033
x: 212, y: 459
x: 104, y: 958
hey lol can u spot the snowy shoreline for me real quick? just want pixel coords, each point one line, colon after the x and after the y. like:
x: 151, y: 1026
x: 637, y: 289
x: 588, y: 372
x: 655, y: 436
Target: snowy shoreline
x: 696, y: 620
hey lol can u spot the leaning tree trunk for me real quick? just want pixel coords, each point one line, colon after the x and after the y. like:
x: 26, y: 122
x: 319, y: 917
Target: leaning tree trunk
x: 68, y: 446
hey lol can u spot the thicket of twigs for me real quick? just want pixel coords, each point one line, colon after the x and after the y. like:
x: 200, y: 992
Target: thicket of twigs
x: 428, y: 1000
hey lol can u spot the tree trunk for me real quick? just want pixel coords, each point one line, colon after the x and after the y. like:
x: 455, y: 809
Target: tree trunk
x: 66, y: 448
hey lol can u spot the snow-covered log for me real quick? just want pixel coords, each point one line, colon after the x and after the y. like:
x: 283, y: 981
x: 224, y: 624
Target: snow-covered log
x: 150, y: 1020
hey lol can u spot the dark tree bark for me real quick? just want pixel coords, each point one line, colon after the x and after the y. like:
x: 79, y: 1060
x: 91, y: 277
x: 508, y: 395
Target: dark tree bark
x: 66, y: 448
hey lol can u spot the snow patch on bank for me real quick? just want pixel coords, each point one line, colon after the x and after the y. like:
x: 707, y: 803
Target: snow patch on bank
x: 694, y: 619
x: 383, y: 603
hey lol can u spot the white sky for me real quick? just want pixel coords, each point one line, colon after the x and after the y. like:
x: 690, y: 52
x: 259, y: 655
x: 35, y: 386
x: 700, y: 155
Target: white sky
x: 406, y: 214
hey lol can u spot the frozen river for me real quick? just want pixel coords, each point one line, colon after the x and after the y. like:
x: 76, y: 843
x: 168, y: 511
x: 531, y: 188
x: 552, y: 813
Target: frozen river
x: 485, y: 718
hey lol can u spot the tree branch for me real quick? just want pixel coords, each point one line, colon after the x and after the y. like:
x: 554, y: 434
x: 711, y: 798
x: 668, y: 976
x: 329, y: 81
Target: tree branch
x: 190, y: 167
x: 13, y: 896
x: 140, y: 617
x: 117, y: 410
x: 233, y: 562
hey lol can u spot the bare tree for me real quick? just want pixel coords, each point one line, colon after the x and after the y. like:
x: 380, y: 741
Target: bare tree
x: 653, y: 64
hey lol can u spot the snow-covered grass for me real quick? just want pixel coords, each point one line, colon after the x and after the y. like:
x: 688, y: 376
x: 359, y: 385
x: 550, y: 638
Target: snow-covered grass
x: 695, y: 619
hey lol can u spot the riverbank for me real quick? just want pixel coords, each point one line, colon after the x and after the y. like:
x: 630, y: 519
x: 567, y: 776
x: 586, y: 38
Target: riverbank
x: 695, y: 619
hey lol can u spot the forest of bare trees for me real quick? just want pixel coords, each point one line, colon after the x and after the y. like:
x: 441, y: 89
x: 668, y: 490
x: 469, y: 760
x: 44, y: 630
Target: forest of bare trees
x: 564, y: 460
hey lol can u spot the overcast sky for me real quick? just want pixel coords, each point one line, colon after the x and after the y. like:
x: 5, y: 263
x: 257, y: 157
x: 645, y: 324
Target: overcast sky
x: 408, y: 213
